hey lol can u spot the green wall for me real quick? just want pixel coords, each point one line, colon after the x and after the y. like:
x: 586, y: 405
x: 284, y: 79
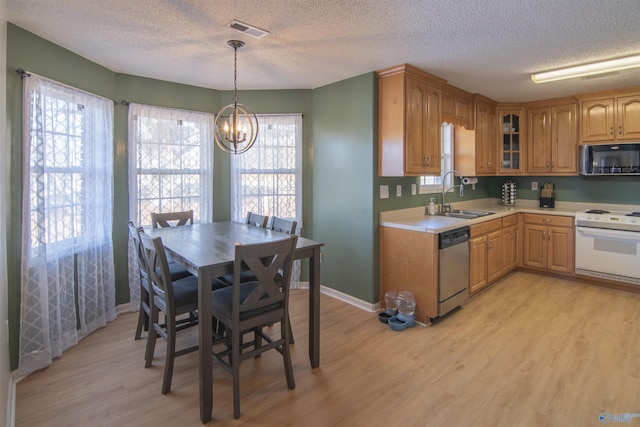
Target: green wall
x: 344, y: 147
x: 612, y: 189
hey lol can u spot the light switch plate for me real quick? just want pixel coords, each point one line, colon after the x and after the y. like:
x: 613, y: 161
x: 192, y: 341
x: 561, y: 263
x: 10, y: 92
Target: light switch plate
x: 413, y: 189
x: 384, y: 191
x: 399, y: 190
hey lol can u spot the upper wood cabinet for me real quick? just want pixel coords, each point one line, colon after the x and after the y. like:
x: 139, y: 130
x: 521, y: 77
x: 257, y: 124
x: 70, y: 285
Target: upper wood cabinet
x: 610, y: 116
x: 485, y: 126
x: 511, y: 140
x: 455, y: 107
x: 552, y: 139
x: 409, y: 122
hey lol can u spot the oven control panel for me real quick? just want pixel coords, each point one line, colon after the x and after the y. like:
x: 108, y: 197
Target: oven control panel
x: 628, y: 221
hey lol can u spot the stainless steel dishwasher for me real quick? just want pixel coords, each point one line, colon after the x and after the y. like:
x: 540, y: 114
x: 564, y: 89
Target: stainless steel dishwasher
x: 453, y: 261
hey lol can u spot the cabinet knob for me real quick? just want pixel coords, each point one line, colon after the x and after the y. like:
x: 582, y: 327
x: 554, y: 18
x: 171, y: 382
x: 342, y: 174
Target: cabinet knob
x: 553, y: 163
x: 547, y: 163
x: 546, y: 221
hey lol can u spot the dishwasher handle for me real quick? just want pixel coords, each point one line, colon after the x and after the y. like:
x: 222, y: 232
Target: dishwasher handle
x: 453, y: 237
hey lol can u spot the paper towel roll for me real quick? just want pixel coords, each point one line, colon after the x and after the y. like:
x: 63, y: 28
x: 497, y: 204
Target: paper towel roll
x: 469, y: 180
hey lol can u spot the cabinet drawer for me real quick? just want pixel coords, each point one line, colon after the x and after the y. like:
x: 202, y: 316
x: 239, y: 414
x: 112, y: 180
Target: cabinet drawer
x: 559, y: 221
x: 510, y: 220
x: 486, y: 227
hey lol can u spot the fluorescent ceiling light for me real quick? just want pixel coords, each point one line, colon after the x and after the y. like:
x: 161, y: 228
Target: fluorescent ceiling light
x: 588, y: 69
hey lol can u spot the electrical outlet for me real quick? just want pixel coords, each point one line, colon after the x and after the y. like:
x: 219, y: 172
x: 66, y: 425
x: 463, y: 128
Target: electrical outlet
x: 413, y: 190
x: 399, y: 190
x: 534, y: 185
x: 384, y: 191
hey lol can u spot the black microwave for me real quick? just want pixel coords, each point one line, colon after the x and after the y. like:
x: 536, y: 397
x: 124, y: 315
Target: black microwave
x: 610, y: 159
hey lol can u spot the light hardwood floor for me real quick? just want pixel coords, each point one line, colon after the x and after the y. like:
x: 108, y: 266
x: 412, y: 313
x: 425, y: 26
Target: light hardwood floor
x: 530, y: 351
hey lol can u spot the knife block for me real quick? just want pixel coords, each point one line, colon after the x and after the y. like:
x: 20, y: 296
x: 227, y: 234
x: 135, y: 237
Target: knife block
x: 548, y: 202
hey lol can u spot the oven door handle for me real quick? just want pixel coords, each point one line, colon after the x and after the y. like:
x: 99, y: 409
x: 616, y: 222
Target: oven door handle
x: 608, y: 232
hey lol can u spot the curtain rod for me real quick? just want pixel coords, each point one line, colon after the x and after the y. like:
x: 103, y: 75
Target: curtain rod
x: 22, y: 73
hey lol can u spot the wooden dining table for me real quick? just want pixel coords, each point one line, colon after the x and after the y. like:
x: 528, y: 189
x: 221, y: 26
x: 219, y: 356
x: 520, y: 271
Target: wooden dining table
x: 207, y: 251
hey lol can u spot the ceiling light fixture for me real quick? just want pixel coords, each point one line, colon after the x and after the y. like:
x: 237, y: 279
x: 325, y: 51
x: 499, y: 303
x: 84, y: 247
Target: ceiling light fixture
x: 603, y: 67
x: 235, y: 126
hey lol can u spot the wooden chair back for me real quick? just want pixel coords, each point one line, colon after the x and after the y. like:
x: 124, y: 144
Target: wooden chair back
x: 171, y: 219
x: 157, y: 266
x: 257, y: 220
x: 271, y: 265
x: 282, y: 225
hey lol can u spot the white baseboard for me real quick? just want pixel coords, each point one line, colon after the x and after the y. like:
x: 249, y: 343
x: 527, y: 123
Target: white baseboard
x: 341, y: 296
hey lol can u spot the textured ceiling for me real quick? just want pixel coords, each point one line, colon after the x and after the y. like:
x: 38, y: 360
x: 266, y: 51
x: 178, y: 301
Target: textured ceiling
x: 489, y: 47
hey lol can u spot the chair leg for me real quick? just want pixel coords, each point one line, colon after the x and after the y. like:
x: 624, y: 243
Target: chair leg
x: 291, y: 340
x: 151, y: 337
x: 143, y: 317
x: 235, y: 365
x: 142, y: 320
x: 171, y: 355
x: 286, y: 354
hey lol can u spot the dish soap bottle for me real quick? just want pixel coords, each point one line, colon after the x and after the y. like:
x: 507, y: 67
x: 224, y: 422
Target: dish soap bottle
x: 432, y: 207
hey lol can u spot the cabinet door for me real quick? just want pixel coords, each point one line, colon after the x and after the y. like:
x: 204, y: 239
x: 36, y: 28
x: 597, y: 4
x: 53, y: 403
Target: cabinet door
x: 432, y: 143
x: 628, y: 118
x: 494, y: 256
x: 560, y: 249
x: 509, y: 249
x: 485, y: 139
x: 597, y: 120
x: 512, y: 137
x: 415, y: 126
x: 538, y: 142
x: 477, y: 263
x: 534, y: 251
x: 422, y: 129
x: 564, y: 153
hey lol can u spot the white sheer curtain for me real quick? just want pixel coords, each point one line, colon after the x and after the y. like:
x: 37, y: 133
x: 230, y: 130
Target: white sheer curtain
x: 267, y: 179
x: 67, y: 280
x: 170, y: 169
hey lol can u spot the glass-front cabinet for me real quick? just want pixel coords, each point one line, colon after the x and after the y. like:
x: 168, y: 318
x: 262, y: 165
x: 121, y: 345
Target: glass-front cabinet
x: 512, y: 139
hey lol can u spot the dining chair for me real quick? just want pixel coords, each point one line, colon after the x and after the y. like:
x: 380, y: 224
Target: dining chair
x: 176, y: 270
x: 247, y: 307
x: 177, y: 300
x: 281, y: 225
x: 144, y: 310
x: 171, y: 219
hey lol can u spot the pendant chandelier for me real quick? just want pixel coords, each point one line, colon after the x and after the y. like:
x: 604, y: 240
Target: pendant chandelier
x: 235, y: 126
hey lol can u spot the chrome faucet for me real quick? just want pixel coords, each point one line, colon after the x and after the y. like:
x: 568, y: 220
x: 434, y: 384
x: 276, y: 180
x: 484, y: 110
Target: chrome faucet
x: 446, y: 207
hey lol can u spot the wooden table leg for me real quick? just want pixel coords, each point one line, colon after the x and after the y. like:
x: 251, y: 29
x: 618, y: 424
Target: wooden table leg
x: 204, y: 343
x: 314, y: 308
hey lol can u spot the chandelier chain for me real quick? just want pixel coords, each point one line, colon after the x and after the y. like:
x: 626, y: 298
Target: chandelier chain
x: 235, y: 74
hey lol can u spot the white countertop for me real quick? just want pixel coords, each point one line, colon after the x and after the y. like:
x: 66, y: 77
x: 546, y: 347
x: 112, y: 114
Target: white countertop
x: 414, y: 219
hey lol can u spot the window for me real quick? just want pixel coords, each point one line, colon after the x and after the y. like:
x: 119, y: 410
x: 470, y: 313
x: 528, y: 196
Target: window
x: 170, y: 162
x: 433, y: 184
x: 267, y: 179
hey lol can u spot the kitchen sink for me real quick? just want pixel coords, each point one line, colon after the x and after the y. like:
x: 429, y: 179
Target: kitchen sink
x: 466, y: 214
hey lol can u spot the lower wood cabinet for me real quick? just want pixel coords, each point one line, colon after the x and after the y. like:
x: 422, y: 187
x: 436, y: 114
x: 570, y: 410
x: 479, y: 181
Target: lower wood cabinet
x: 409, y: 261
x: 485, y: 254
x: 549, y: 243
x: 511, y: 243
